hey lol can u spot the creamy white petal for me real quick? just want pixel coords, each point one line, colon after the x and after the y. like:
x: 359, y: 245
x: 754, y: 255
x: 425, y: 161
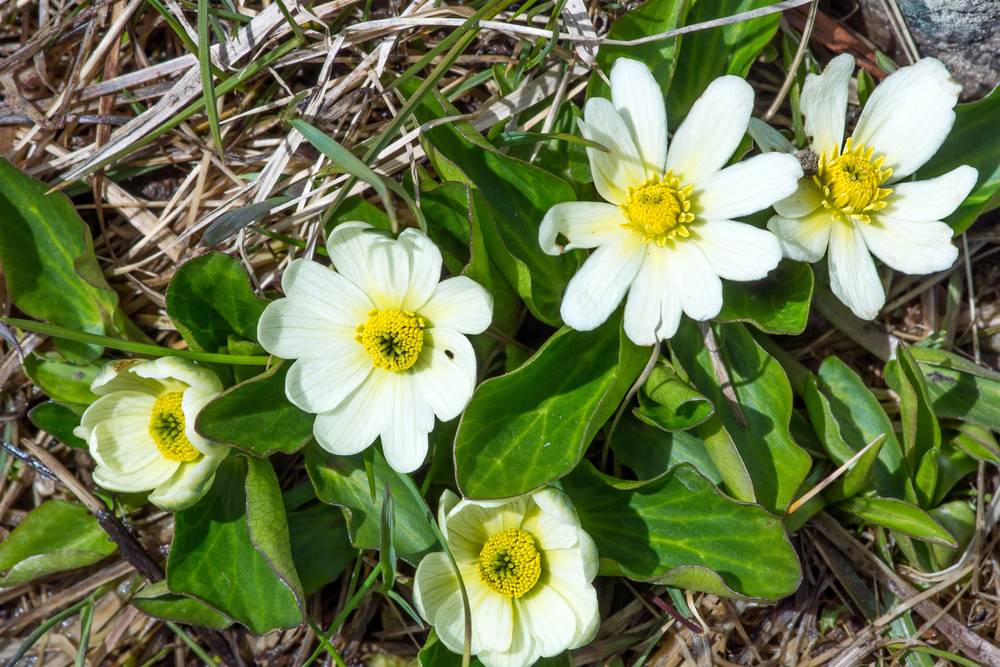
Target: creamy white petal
x: 355, y: 423
x: 120, y: 407
x: 116, y: 376
x: 653, y: 308
x: 598, y: 287
x: 425, y: 267
x: 348, y: 245
x: 165, y: 369
x: 388, y: 274
x: 933, y: 199
x: 459, y: 303
x: 438, y: 599
x: 620, y: 167
x: 189, y: 483
x: 475, y: 521
x: 736, y: 250
x: 824, y: 104
x: 319, y: 384
x: 552, y: 520
x: 911, y: 247
x: 713, y: 129
x: 446, y: 373
x: 586, y: 224
x: 550, y: 619
x: 448, y: 501
x: 325, y: 294
x: 192, y: 401
x: 909, y: 115
x: 748, y: 186
x: 404, y: 431
x: 639, y: 101
x: 583, y: 601
x: 695, y: 281
x: 853, y: 277
x: 128, y: 459
x: 806, y: 199
x: 467, y: 529
x: 492, y: 617
x: 293, y: 328
x: 803, y: 239
x: 523, y: 650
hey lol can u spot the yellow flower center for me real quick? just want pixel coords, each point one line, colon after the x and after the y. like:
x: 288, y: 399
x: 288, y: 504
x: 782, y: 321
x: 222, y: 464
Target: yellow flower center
x: 659, y: 210
x: 509, y: 563
x: 392, y: 338
x: 166, y: 426
x: 850, y: 181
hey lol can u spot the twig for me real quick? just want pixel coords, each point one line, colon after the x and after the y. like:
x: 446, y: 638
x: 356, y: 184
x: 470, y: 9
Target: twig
x: 796, y: 61
x: 722, y: 373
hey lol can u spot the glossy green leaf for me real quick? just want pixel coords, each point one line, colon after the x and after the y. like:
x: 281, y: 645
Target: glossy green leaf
x: 651, y: 451
x: 679, y: 530
x: 54, y: 537
x: 952, y: 466
x: 898, y: 515
x: 966, y: 145
x: 959, y: 388
x: 778, y: 304
x: 58, y: 421
x: 858, y: 478
x: 255, y: 416
x: 921, y: 433
x: 157, y: 601
x: 669, y: 402
x: 210, y: 299
x: 959, y: 518
x: 977, y: 442
x: 775, y: 462
x: 49, y: 265
x: 62, y: 380
x: 533, y: 425
x: 342, y: 481
x: 232, y: 549
x: 725, y: 455
x: 447, y: 206
x: 321, y: 547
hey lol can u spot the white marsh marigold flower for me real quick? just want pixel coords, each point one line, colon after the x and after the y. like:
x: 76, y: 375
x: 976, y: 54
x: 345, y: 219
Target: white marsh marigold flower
x: 141, y: 430
x: 527, y: 566
x: 380, y: 344
x: 856, y: 203
x: 667, y: 233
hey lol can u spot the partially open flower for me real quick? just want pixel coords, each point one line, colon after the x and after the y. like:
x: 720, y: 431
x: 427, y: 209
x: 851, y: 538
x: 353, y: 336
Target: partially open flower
x: 668, y: 231
x: 380, y: 343
x: 141, y: 430
x: 857, y: 203
x: 527, y: 566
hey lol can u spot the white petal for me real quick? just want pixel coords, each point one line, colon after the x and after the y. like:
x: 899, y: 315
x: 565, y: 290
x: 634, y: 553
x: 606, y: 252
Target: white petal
x: 653, y: 309
x: 446, y: 373
x: 639, y: 101
x: 388, y: 275
x: 320, y: 384
x: 713, y: 129
x: 348, y: 246
x: 598, y: 287
x: 471, y: 523
x: 803, y: 239
x: 586, y: 224
x: 325, y: 294
x: 738, y: 251
x: 620, y: 168
x: 695, y: 281
x: 550, y: 619
x: 523, y: 650
x: 853, y: 277
x: 192, y: 401
x: 165, y: 369
x: 578, y: 564
x: 292, y: 328
x: 425, y: 267
x: 492, y: 617
x: 806, y: 199
x: 909, y: 115
x: 187, y: 485
x: 911, y: 247
x: 459, y: 303
x: 749, y: 186
x: 120, y: 406
x: 116, y: 376
x: 824, y: 104
x: 355, y: 423
x: 404, y: 431
x: 551, y: 520
x: 933, y: 199
x: 438, y: 599
x: 128, y: 460
x: 583, y: 601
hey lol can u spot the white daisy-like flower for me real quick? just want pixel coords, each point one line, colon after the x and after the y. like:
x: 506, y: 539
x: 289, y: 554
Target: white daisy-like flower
x: 141, y: 430
x: 856, y: 204
x: 380, y: 344
x: 528, y: 569
x: 667, y: 233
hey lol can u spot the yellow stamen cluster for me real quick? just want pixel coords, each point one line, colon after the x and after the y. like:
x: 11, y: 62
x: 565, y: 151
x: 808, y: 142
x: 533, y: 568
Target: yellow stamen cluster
x: 392, y: 338
x: 659, y: 210
x: 166, y: 426
x: 509, y: 563
x: 850, y: 181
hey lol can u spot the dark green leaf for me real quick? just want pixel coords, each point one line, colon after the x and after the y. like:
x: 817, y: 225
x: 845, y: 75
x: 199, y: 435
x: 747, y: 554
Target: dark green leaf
x: 959, y: 518
x: 959, y: 388
x: 921, y: 433
x: 61, y: 380
x: 321, y: 547
x: 977, y: 442
x: 58, y: 421
x: 858, y: 478
x: 952, y: 466
x: 651, y: 451
x: 898, y: 515
x: 670, y: 403
x: 157, y: 601
x: 778, y: 304
x: 725, y: 456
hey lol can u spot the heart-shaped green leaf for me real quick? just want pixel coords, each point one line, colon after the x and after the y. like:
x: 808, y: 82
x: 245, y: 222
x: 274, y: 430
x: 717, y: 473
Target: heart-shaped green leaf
x: 157, y: 601
x: 777, y: 304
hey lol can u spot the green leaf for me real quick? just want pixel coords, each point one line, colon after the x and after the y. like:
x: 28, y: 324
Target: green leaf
x: 447, y: 206
x: 679, y: 530
x: 58, y: 421
x: 966, y: 144
x: 959, y: 388
x: 858, y: 477
x: 669, y: 402
x: 255, y: 416
x: 650, y: 451
x: 62, y: 380
x: 951, y: 466
x: 321, y: 547
x: 898, y: 515
x: 725, y: 456
x: 232, y: 550
x: 775, y: 462
x: 49, y: 265
x: 959, y: 518
x: 533, y: 425
x: 778, y: 304
x: 157, y: 601
x: 977, y: 442
x: 210, y: 299
x: 342, y: 481
x: 54, y: 537
x: 921, y: 433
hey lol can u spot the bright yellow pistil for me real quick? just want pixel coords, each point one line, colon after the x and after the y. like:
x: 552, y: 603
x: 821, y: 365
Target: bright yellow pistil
x: 392, y: 338
x: 166, y: 426
x: 850, y: 181
x: 509, y: 563
x: 659, y: 210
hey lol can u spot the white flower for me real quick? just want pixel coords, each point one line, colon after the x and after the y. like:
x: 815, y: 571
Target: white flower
x: 668, y: 232
x: 855, y: 204
x: 379, y: 342
x: 141, y: 430
x: 527, y: 566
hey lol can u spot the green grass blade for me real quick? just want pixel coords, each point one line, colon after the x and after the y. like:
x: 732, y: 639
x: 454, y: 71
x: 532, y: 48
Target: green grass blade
x: 207, y: 79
